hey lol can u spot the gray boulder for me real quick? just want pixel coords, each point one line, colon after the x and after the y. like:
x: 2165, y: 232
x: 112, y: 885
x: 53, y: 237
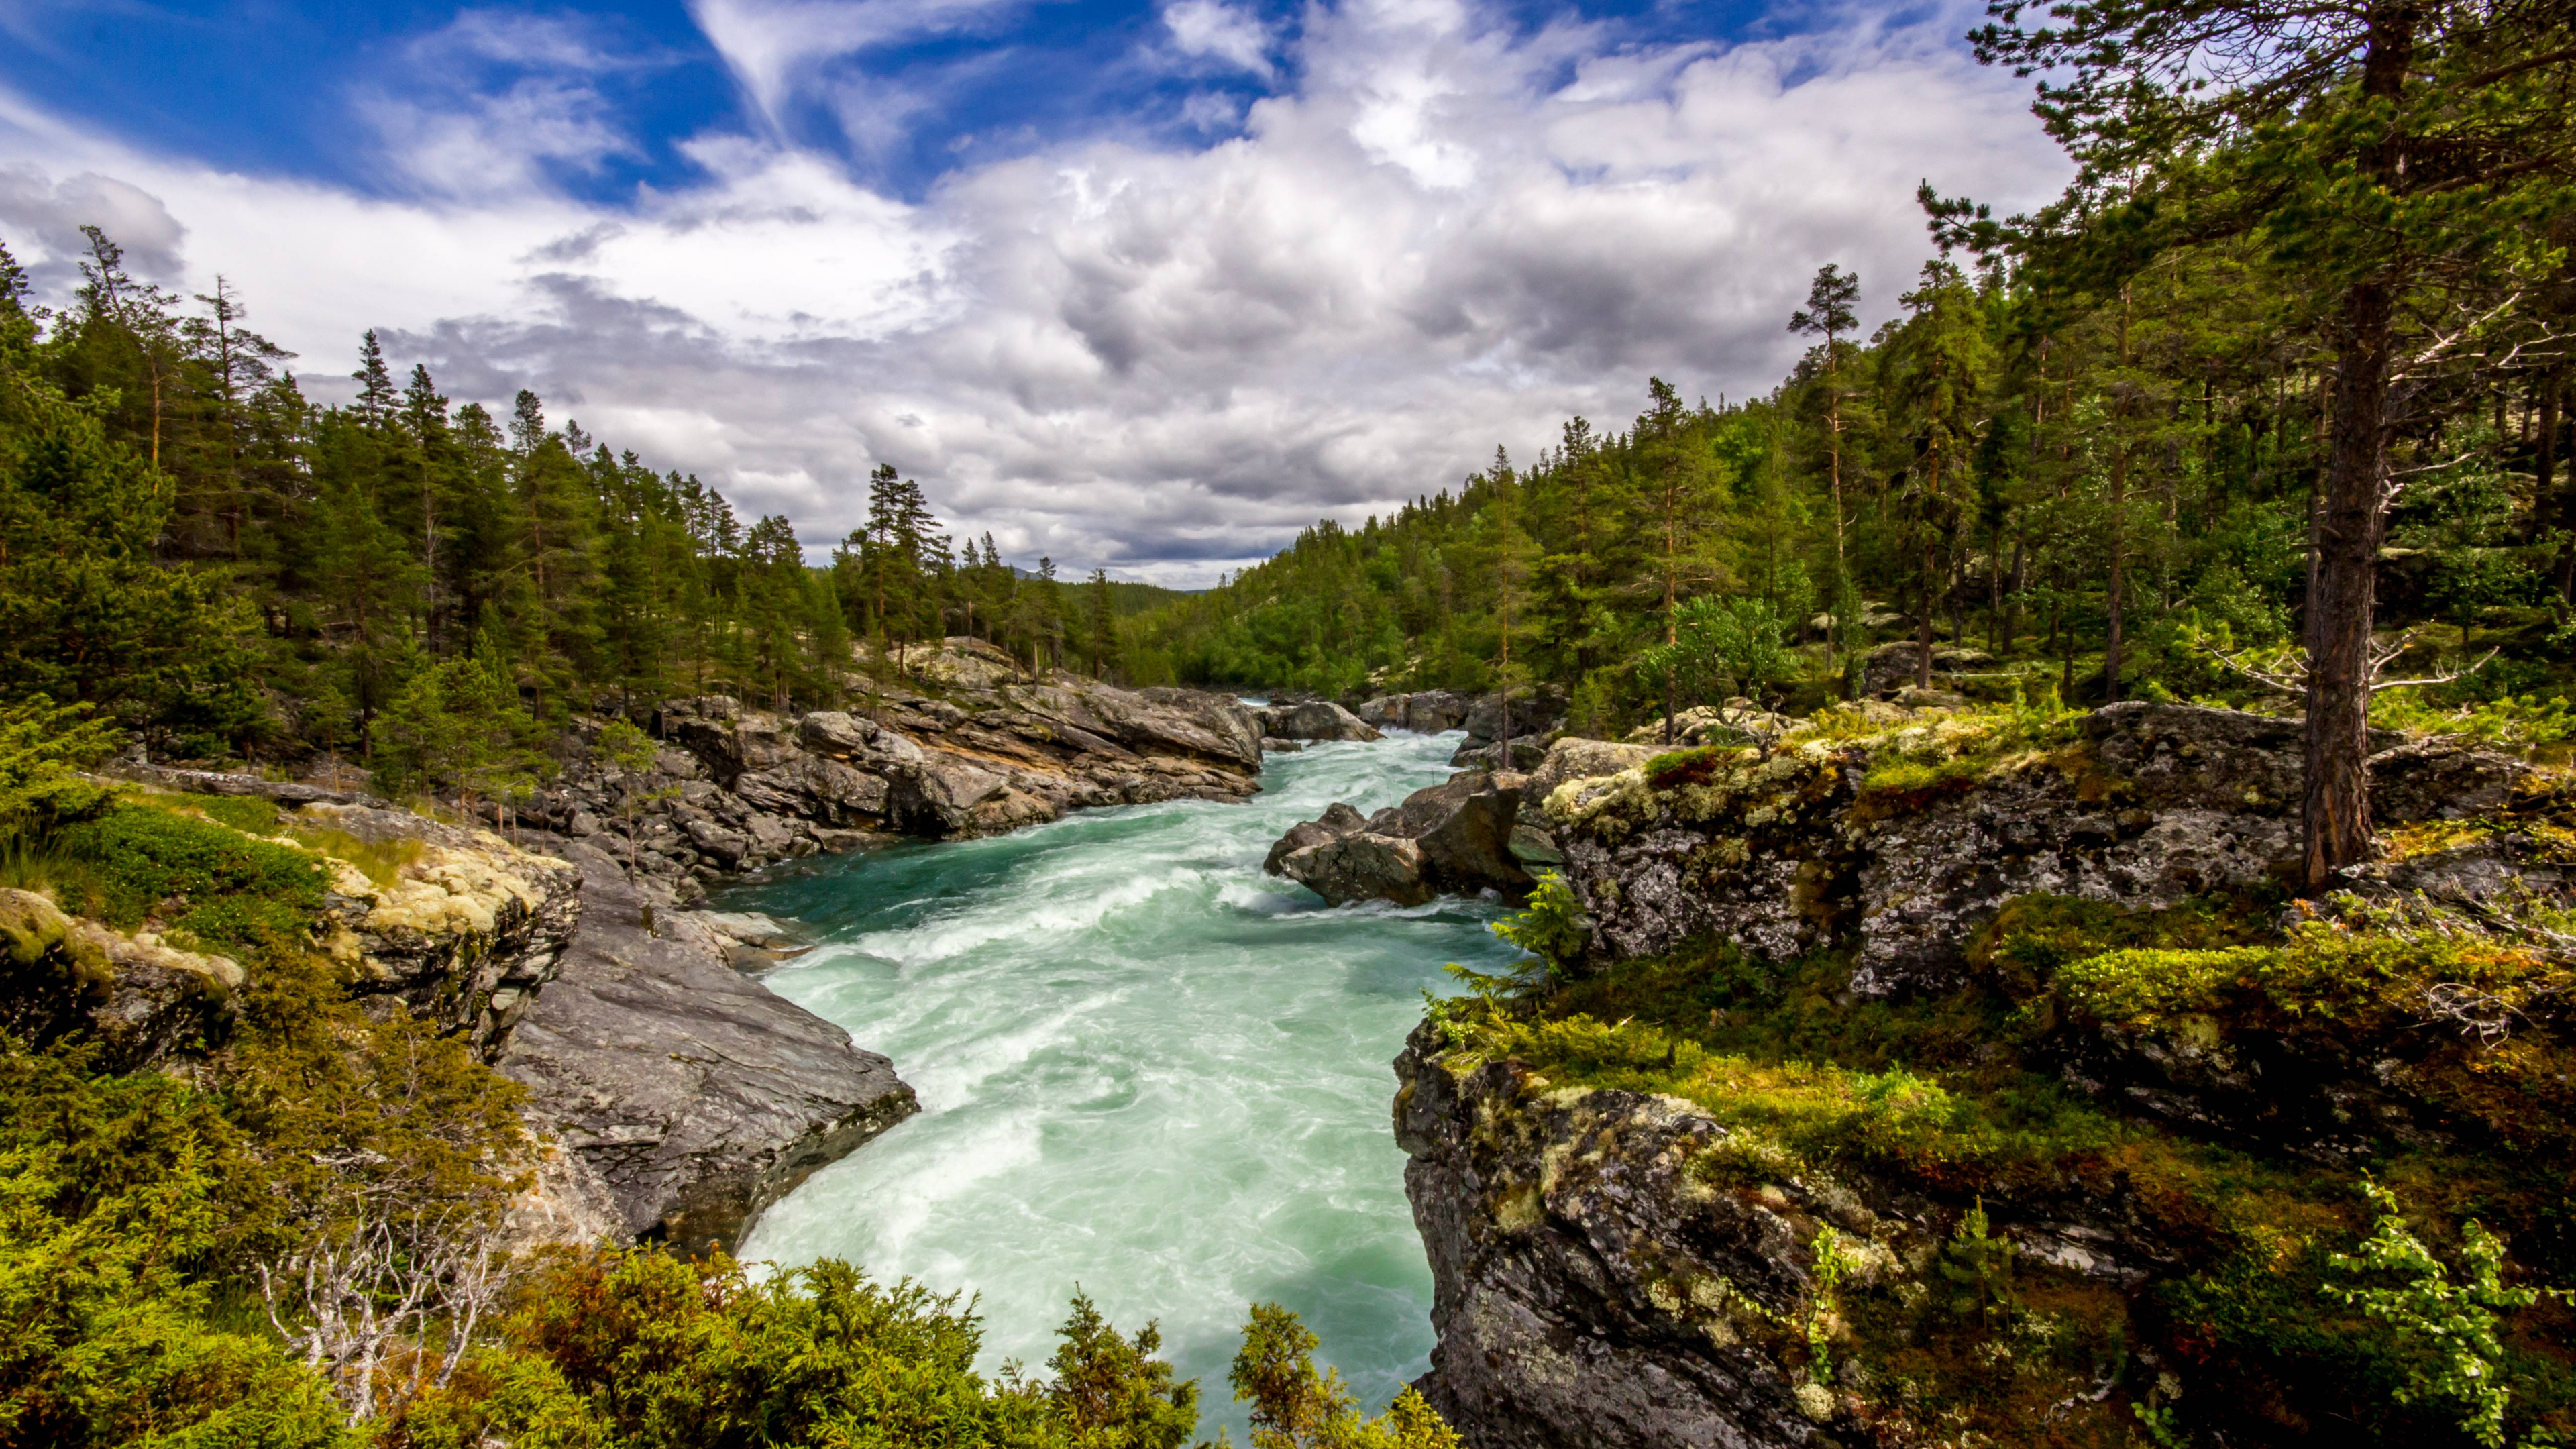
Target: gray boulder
x: 817, y: 788
x: 1315, y: 719
x: 1526, y: 753
x: 834, y: 733
x: 1575, y: 758
x: 1362, y: 867
x: 1430, y: 711
x: 693, y: 1094
x: 1339, y: 819
x: 1454, y: 837
x: 1890, y: 669
x: 1539, y: 710
x: 939, y: 793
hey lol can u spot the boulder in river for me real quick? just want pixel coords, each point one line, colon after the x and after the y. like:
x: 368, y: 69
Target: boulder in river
x: 1534, y: 715
x: 1454, y: 837
x: 1429, y: 711
x: 1315, y: 719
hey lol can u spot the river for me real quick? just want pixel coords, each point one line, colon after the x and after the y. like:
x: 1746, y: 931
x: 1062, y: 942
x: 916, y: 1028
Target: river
x: 1144, y: 1067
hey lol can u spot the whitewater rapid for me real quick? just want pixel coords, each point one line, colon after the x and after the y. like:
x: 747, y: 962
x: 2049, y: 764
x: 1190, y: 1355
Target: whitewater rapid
x: 1144, y: 1068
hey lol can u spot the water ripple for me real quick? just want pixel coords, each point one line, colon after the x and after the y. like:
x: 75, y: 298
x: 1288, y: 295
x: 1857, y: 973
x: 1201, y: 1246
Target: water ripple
x: 1144, y: 1067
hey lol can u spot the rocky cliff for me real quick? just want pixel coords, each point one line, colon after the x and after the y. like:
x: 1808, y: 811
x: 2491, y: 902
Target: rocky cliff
x: 692, y: 1094
x: 966, y: 745
x: 1944, y: 1079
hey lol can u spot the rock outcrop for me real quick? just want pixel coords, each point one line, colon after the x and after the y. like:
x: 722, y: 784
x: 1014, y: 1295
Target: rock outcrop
x: 1570, y: 758
x: 144, y: 1001
x: 683, y: 1097
x: 464, y: 932
x: 457, y: 923
x: 1691, y: 1202
x: 1587, y: 1289
x: 1900, y: 844
x: 996, y: 748
x: 691, y: 1093
x: 1451, y: 838
x: 1314, y: 719
x: 1429, y: 712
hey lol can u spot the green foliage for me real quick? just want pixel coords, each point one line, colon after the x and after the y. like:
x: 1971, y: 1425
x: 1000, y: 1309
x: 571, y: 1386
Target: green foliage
x: 43, y: 749
x: 213, y: 881
x: 2447, y: 1328
x: 1829, y: 1264
x: 111, y: 1209
x: 1297, y: 1406
x: 636, y: 1349
x: 1112, y: 1393
x: 458, y: 727
x: 2517, y: 721
x: 1552, y: 927
x: 1722, y: 647
x: 1978, y: 1270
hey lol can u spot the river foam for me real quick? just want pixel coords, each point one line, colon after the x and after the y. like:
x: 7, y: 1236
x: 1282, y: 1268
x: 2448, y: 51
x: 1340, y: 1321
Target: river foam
x: 1144, y: 1067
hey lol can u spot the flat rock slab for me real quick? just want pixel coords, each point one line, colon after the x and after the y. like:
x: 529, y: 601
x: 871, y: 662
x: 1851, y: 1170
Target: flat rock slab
x: 691, y: 1092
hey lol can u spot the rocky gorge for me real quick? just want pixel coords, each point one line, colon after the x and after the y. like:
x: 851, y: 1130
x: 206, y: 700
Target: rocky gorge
x: 680, y: 1096
x: 1902, y: 1075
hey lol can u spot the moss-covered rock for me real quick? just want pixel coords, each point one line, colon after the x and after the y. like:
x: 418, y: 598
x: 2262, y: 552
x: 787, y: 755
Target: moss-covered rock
x: 2117, y: 1174
x: 1896, y: 836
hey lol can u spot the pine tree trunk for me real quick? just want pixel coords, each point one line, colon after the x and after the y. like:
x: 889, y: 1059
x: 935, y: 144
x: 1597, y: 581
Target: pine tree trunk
x: 2543, y: 496
x: 2335, y: 816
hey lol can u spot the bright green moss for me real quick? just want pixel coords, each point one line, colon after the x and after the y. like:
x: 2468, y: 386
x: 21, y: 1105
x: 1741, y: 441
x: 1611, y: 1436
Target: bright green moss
x: 2146, y: 986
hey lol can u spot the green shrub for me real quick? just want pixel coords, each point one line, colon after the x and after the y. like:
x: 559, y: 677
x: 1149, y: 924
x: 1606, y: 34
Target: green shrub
x: 43, y: 749
x: 116, y: 1195
x: 1552, y: 927
x: 221, y: 885
x: 1297, y: 1406
x: 640, y: 1350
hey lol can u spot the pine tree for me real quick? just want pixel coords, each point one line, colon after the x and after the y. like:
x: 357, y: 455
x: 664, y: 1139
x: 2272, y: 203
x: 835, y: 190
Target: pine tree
x: 1099, y: 619
x: 2388, y: 164
x: 1828, y: 314
x: 375, y: 383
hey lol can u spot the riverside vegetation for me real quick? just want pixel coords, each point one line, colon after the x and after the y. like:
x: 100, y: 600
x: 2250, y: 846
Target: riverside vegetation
x: 2268, y: 408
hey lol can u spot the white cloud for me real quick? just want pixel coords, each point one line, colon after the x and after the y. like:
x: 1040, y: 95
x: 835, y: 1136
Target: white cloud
x: 1215, y: 29
x: 772, y: 45
x: 449, y: 132
x: 1449, y: 235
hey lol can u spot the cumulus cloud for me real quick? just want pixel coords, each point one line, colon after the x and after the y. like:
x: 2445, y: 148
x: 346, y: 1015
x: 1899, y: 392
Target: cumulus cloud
x: 1450, y: 233
x: 1217, y: 30
x: 51, y: 213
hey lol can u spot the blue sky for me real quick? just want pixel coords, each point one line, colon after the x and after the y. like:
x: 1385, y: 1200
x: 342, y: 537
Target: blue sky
x: 1150, y: 283
x: 979, y: 81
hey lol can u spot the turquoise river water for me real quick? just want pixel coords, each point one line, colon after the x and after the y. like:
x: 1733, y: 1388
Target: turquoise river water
x: 1145, y: 1068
